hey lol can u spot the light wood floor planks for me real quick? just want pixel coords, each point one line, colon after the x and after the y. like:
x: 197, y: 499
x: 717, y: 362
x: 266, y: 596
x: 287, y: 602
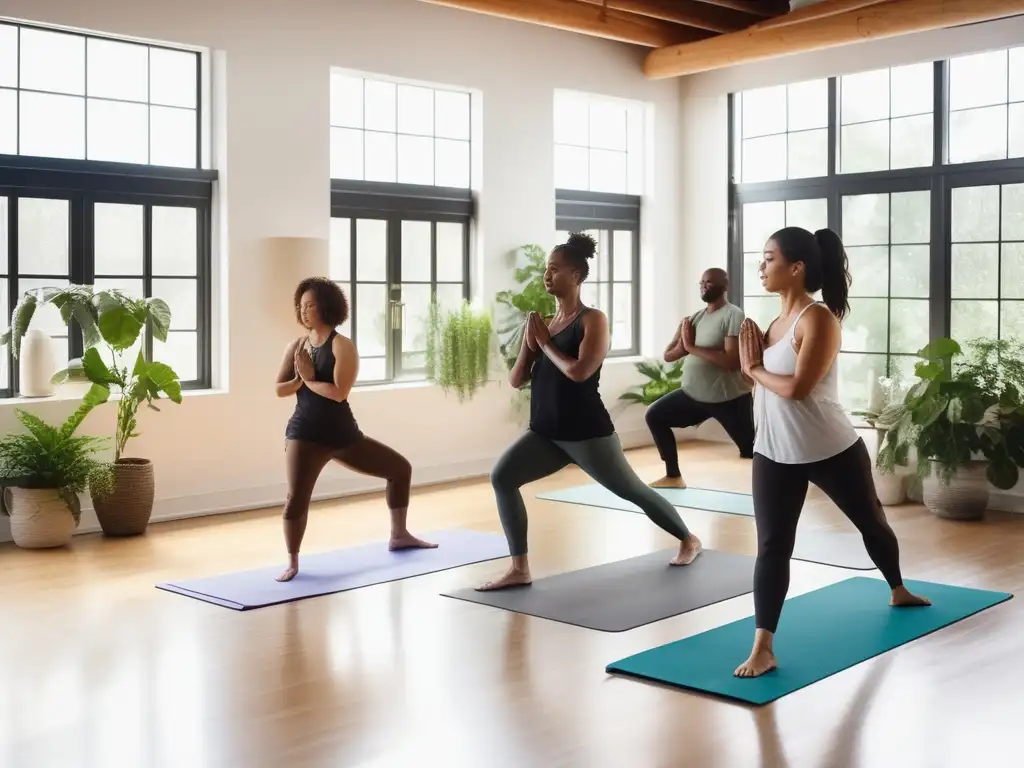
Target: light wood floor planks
x: 98, y: 669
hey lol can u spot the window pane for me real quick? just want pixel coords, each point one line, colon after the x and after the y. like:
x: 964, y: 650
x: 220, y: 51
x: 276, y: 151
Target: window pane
x: 117, y: 70
x: 180, y: 352
x: 812, y: 214
x: 451, y: 163
x: 808, y: 154
x: 5, y: 312
x: 118, y: 132
x: 182, y: 297
x: 978, y: 81
x: 52, y: 61
x: 8, y: 56
x: 752, y: 274
x: 172, y: 137
x: 346, y: 154
x: 371, y: 250
x: 381, y: 157
x: 764, y: 159
x: 129, y: 286
x: 4, y: 213
x: 973, y: 320
x: 764, y: 111
x: 864, y: 96
x: 1013, y: 212
x: 911, y: 217
x: 600, y: 266
x: 372, y: 369
x: 622, y: 248
x: 415, y: 110
x: 908, y: 324
x: 449, y: 296
x: 808, y: 105
x: 911, y: 271
x: 117, y: 239
x: 977, y: 134
x: 415, y: 251
x: 451, y: 115
x: 1011, y: 323
x: 340, y: 250
x: 415, y: 160
x: 760, y: 221
x: 8, y: 122
x: 380, y: 105
x: 912, y: 90
x: 622, y: 315
x: 46, y: 317
x: 174, y: 240
x: 173, y: 78
x: 869, y: 270
x: 911, y: 142
x: 346, y: 101
x: 975, y: 215
x: 866, y: 219
x: 1016, y: 91
x: 975, y: 271
x: 43, y: 234
x: 52, y: 126
x: 864, y: 147
x: 415, y: 316
x: 607, y: 171
x: 372, y: 324
x: 761, y: 309
x: 607, y: 126
x: 1012, y: 271
x: 572, y: 167
x: 865, y: 329
x: 1016, y: 132
x: 857, y: 377
x: 450, y: 251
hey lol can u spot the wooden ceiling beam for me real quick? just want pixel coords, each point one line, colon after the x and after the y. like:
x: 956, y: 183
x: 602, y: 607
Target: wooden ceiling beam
x: 817, y: 11
x: 587, y: 19
x: 763, y: 8
x: 883, y: 20
x: 689, y: 12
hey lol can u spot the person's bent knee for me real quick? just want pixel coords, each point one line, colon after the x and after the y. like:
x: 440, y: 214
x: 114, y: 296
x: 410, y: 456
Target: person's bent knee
x: 295, y: 508
x: 402, y: 471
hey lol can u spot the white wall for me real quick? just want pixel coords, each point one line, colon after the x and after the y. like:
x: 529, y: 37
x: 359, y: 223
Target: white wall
x: 704, y: 130
x: 224, y: 450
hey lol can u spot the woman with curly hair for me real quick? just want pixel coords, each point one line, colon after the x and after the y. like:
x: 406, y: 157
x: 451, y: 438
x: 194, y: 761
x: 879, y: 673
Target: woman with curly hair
x: 320, y: 368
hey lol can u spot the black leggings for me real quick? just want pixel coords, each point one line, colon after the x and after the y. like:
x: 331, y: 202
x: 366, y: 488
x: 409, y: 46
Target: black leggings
x: 678, y: 409
x: 779, y: 492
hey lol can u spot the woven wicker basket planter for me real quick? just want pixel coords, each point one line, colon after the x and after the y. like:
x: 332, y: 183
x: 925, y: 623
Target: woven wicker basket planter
x: 965, y: 498
x: 39, y: 518
x: 126, y: 510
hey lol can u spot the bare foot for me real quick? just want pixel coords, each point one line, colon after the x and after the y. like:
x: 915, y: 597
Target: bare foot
x: 688, y: 551
x: 512, y: 578
x: 904, y: 598
x: 289, y: 573
x: 760, y: 662
x: 408, y: 541
x: 669, y: 482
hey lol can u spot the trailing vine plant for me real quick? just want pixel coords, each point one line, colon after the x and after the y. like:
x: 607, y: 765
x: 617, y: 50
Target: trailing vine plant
x: 459, y: 344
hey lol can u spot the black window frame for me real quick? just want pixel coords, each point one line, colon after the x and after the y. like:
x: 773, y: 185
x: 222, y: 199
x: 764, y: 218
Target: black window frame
x: 940, y: 177
x: 577, y: 211
x: 394, y: 203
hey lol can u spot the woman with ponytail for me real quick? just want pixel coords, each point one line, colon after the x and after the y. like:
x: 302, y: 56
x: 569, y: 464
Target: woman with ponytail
x: 802, y: 433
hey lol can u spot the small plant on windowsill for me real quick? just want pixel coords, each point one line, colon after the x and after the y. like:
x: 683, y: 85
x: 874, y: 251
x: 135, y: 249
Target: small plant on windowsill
x: 459, y: 347
x: 112, y: 319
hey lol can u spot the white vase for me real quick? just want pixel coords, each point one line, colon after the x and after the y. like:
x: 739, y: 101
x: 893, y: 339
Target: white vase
x: 36, y: 365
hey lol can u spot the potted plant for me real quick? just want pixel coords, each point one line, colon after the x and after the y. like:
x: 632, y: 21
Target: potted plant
x: 43, y: 471
x: 459, y: 349
x: 113, y: 319
x: 965, y: 421
x: 890, y: 486
x: 662, y: 378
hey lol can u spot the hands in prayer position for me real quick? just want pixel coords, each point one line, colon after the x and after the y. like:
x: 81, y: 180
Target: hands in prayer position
x: 304, y: 363
x: 751, y: 347
x: 538, y: 330
x: 688, y: 334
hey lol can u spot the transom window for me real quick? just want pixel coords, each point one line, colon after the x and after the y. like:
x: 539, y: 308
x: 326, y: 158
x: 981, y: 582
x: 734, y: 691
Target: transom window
x: 598, y: 144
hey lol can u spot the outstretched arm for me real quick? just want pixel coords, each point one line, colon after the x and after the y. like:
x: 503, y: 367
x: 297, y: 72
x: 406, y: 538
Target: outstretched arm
x: 288, y: 381
x: 819, y: 338
x: 346, y: 368
x: 593, y: 348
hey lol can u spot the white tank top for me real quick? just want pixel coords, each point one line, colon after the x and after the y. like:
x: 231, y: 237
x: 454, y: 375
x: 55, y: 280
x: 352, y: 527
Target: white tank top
x: 799, y: 431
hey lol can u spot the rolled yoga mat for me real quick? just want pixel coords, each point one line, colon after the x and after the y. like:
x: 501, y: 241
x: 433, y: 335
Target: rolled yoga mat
x: 339, y: 571
x: 618, y: 596
x: 842, y: 549
x: 821, y: 633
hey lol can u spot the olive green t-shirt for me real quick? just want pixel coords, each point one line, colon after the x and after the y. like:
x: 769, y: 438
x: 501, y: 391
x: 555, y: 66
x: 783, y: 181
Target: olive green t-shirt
x: 704, y: 381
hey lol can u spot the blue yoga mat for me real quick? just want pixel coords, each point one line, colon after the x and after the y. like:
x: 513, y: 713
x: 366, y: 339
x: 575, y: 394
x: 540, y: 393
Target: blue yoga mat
x: 330, y: 572
x: 594, y: 495
x: 821, y: 633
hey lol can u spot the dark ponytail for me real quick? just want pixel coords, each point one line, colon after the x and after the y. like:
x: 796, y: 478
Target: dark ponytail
x: 825, y: 264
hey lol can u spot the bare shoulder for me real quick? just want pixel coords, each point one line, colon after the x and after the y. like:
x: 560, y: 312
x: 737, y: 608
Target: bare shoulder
x: 594, y: 319
x: 818, y: 319
x: 343, y: 345
x: 292, y: 345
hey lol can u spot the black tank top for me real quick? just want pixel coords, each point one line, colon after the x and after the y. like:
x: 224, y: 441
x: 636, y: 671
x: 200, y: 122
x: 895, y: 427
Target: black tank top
x: 562, y: 409
x: 318, y: 419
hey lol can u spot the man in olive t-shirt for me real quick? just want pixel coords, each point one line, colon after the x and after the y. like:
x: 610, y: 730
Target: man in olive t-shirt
x: 712, y: 386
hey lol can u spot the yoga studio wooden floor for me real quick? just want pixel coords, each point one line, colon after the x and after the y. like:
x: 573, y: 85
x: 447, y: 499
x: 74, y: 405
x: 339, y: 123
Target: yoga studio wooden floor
x: 98, y: 669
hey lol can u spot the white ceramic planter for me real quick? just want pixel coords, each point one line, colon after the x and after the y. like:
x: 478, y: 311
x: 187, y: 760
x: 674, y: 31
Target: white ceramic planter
x: 36, y: 365
x: 891, y: 489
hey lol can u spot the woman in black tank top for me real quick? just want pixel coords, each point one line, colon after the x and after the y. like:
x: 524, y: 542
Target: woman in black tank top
x: 320, y: 368
x: 569, y: 423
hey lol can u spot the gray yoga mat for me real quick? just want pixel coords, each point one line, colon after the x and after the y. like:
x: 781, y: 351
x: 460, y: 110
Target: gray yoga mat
x: 339, y: 571
x: 626, y: 594
x: 841, y: 549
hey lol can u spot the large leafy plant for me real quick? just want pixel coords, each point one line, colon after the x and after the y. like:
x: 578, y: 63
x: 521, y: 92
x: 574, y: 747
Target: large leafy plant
x: 962, y: 406
x: 662, y: 378
x: 56, y: 458
x: 459, y: 348
x: 532, y: 296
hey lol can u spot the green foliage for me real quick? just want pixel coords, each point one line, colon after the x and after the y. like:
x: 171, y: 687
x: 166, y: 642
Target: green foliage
x: 459, y: 348
x: 662, y: 378
x: 532, y: 296
x: 962, y: 405
x: 48, y: 457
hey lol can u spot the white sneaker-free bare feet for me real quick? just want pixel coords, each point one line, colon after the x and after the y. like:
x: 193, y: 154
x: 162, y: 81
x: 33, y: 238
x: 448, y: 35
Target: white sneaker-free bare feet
x: 904, y: 598
x: 514, y: 577
x: 291, y: 571
x: 688, y: 551
x: 760, y: 662
x: 408, y: 541
x: 669, y: 482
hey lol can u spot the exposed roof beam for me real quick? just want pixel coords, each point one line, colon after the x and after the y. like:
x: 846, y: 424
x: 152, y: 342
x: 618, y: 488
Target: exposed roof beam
x: 689, y: 12
x: 763, y: 8
x: 585, y: 18
x: 817, y: 11
x: 887, y: 19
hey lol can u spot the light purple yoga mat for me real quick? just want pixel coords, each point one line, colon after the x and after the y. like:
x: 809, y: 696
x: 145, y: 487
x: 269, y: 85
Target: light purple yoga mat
x: 344, y: 569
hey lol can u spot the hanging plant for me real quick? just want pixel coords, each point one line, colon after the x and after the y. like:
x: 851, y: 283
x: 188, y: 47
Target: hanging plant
x: 459, y: 344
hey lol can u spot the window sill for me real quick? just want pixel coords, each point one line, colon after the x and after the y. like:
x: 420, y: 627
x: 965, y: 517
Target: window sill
x: 72, y: 393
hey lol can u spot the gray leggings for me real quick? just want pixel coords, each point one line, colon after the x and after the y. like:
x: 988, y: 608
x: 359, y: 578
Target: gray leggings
x: 533, y: 457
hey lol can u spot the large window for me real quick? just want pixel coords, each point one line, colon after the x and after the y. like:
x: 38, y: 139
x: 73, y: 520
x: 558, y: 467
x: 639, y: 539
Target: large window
x: 923, y: 179
x: 401, y: 212
x: 101, y: 183
x: 598, y: 144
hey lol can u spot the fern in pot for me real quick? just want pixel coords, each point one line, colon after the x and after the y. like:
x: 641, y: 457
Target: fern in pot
x: 964, y: 419
x: 459, y: 346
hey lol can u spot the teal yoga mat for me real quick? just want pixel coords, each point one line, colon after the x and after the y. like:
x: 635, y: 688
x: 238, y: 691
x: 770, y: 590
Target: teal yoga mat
x: 594, y: 495
x: 821, y: 633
